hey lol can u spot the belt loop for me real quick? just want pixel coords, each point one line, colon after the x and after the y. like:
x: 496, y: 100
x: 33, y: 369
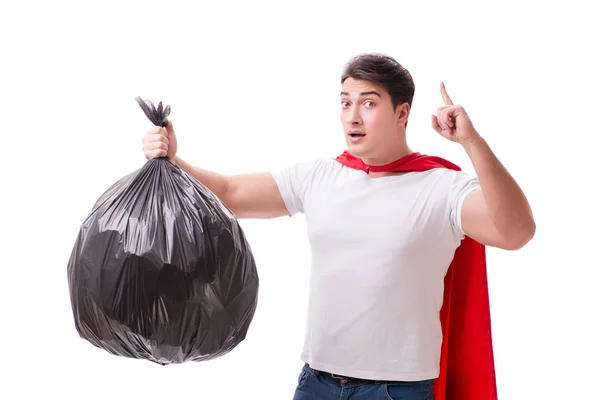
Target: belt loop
x: 312, y: 370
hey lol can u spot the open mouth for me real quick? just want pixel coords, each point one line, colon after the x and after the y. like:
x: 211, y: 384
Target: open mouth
x: 355, y: 137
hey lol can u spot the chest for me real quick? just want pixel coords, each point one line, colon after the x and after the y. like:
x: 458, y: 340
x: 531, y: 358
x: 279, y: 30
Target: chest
x: 389, y: 213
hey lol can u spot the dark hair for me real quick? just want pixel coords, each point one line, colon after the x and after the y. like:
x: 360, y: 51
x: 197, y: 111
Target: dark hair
x: 384, y: 71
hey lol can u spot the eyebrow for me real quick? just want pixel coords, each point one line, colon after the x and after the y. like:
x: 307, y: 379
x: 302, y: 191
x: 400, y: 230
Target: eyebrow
x: 362, y: 93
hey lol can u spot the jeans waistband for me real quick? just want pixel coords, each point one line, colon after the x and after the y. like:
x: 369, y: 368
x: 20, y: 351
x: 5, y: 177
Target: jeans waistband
x: 339, y: 378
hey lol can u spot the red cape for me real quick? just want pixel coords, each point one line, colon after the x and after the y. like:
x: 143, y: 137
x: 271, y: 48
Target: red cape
x: 467, y: 360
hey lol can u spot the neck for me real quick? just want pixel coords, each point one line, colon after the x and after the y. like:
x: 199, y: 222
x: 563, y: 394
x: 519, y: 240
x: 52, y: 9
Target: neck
x: 388, y: 157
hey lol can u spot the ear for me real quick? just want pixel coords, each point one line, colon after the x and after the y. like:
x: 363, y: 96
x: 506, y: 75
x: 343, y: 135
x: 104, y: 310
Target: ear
x: 402, y: 112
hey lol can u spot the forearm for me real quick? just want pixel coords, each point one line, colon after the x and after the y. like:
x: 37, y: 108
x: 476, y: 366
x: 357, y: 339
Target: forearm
x: 254, y: 195
x: 215, y: 182
x: 506, y: 202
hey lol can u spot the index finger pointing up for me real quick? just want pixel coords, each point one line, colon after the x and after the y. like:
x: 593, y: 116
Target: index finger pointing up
x: 447, y: 99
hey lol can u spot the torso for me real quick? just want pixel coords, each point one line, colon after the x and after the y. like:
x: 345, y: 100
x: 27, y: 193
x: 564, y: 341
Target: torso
x: 381, y: 245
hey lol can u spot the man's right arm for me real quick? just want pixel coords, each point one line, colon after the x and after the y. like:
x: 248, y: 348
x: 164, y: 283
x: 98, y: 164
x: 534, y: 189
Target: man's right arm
x: 253, y: 195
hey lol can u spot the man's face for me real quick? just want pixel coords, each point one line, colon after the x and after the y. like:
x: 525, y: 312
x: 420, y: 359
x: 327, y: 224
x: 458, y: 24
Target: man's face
x: 371, y: 125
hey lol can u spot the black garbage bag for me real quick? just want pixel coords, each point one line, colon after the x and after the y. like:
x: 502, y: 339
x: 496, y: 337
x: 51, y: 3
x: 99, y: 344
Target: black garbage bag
x: 161, y: 269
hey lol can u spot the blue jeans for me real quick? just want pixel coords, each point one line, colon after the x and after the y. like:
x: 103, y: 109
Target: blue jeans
x: 318, y: 385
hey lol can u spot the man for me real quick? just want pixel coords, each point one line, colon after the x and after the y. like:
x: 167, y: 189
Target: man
x: 382, y: 238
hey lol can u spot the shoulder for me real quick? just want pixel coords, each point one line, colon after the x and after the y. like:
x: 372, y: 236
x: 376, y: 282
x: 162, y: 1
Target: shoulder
x: 452, y: 178
x: 442, y: 178
x: 305, y: 174
x: 448, y: 186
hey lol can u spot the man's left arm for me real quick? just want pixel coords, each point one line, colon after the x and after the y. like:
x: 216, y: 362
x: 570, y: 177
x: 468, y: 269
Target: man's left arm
x: 498, y: 214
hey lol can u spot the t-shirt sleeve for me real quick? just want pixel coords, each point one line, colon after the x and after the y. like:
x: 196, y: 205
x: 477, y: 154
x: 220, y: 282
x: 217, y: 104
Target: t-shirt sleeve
x: 292, y: 182
x: 462, y: 185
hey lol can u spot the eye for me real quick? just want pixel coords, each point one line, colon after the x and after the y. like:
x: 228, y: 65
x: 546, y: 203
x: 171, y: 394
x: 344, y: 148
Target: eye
x: 344, y: 104
x: 369, y: 103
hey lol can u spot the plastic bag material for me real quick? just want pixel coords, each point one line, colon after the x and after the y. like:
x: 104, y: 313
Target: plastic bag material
x: 161, y: 269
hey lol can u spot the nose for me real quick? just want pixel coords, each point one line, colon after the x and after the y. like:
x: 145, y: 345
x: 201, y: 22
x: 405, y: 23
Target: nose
x: 353, y: 116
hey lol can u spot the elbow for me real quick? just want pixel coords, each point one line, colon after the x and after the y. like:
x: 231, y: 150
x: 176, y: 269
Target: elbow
x: 518, y: 238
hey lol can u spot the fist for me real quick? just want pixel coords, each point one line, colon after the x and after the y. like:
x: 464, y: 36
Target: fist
x: 160, y: 142
x: 452, y: 121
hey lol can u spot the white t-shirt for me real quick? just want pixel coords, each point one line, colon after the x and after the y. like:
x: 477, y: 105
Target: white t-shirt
x: 380, y: 248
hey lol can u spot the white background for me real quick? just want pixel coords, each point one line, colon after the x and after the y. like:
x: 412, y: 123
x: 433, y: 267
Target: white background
x: 254, y: 86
